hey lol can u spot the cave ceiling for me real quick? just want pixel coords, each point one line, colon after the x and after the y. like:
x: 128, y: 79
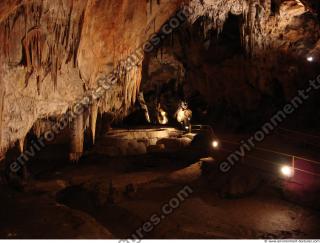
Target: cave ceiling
x: 53, y: 52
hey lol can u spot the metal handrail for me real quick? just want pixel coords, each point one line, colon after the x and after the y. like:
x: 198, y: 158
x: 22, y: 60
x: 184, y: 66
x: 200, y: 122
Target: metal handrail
x: 301, y: 133
x: 284, y: 154
x: 201, y: 127
x: 277, y: 152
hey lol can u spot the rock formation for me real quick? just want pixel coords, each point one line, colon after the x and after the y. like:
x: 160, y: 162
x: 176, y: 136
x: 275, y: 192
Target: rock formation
x: 52, y: 53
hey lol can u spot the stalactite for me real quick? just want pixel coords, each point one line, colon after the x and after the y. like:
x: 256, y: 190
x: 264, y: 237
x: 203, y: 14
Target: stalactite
x: 255, y: 13
x: 21, y: 144
x: 93, y: 120
x: 50, y: 37
x: 139, y: 80
x: 37, y: 128
x: 2, y: 94
x: 124, y: 95
x: 77, y: 139
x: 77, y: 40
x: 135, y: 87
x: 144, y: 107
x: 86, y: 119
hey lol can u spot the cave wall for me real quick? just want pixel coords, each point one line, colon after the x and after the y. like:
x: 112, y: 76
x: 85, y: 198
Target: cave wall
x: 243, y: 86
x: 52, y: 52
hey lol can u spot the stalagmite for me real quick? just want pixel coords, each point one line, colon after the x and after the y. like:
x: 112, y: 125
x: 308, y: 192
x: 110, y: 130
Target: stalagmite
x: 93, y: 120
x: 77, y: 138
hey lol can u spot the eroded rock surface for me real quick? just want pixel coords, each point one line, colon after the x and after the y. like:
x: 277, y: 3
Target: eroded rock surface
x: 53, y: 53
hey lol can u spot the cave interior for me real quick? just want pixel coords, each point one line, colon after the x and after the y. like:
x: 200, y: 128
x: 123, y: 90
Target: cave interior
x: 203, y: 111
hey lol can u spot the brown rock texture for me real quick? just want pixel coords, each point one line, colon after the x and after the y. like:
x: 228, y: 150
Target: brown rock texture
x: 249, y: 57
x: 53, y: 52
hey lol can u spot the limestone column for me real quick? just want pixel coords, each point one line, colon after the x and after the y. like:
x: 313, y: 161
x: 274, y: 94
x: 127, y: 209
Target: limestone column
x: 77, y: 139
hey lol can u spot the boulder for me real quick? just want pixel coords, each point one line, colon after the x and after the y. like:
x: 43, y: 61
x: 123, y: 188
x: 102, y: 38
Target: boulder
x: 170, y: 144
x: 140, y: 148
x: 156, y: 148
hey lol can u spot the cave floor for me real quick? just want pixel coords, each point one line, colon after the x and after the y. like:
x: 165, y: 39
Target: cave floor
x: 75, y: 201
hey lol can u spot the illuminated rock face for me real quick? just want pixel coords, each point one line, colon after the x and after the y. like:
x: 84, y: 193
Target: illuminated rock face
x: 53, y: 52
x: 251, y: 63
x: 262, y: 21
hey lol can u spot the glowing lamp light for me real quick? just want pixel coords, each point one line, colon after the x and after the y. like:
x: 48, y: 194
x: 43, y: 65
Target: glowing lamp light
x: 287, y: 171
x: 215, y: 144
x: 310, y: 59
x: 186, y: 127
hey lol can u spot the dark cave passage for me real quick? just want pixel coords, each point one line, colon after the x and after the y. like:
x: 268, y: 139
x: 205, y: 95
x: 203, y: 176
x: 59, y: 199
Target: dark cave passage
x: 228, y: 43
